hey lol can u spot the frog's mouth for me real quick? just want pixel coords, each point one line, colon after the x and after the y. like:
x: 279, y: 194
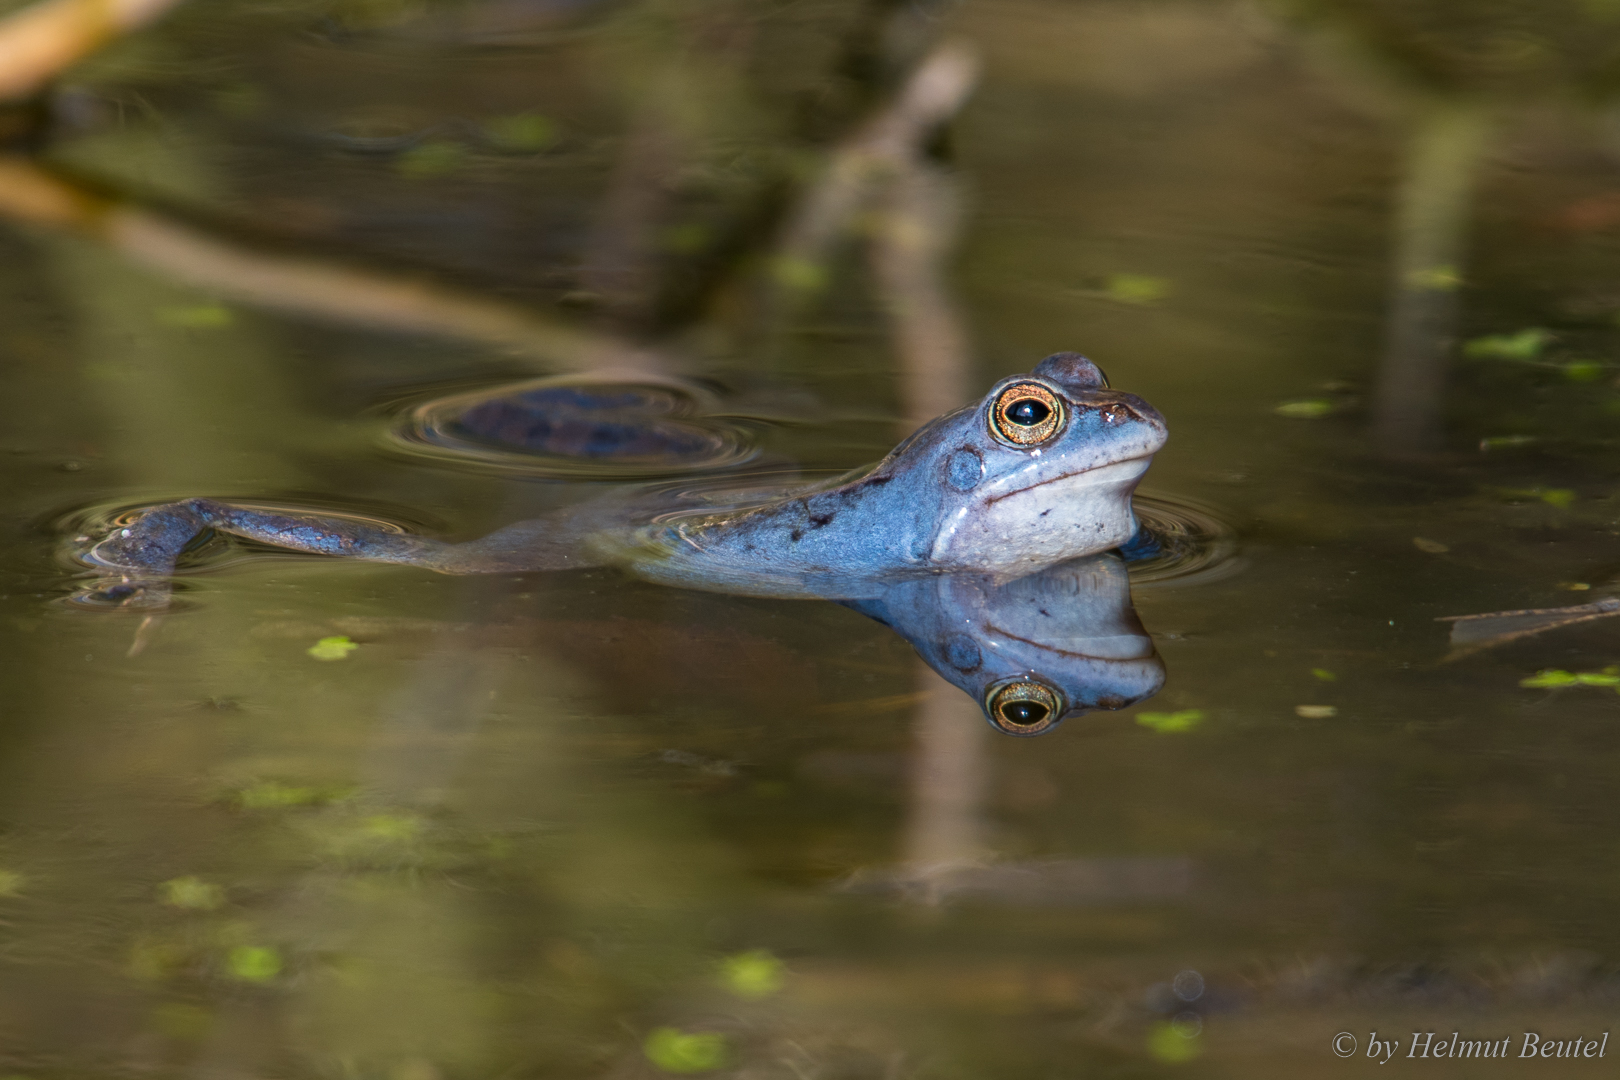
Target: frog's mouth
x: 1116, y: 472
x: 1079, y: 512
x: 1092, y: 648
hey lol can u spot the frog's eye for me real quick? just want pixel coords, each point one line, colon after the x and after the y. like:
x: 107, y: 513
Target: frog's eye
x: 1026, y: 414
x: 1024, y: 707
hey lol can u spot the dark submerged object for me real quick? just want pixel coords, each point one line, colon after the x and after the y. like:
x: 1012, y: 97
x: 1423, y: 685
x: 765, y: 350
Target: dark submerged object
x: 587, y: 421
x: 1038, y: 473
x: 572, y: 427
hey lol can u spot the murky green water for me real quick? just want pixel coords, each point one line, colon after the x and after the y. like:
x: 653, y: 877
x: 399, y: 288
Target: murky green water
x: 572, y: 825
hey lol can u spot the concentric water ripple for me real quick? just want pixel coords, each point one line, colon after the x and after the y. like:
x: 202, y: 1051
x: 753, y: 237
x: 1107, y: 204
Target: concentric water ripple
x: 1197, y: 546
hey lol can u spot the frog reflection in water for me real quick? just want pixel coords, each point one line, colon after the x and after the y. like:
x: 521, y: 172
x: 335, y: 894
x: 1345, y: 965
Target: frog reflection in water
x: 1033, y: 650
x: 1037, y: 473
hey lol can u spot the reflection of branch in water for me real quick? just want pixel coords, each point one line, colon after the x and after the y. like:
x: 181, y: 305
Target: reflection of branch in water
x: 949, y: 777
x: 888, y: 143
x: 1049, y: 882
x: 912, y: 239
x: 1431, y: 222
x: 656, y: 249
x: 619, y: 260
x: 306, y: 286
x: 38, y: 42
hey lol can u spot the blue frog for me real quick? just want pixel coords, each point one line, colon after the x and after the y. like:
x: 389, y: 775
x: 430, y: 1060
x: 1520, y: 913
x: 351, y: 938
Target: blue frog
x: 986, y: 538
x: 1038, y: 472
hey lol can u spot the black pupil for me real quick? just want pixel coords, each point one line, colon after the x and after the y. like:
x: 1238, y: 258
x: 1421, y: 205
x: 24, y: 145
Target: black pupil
x: 1028, y: 412
x: 1024, y: 713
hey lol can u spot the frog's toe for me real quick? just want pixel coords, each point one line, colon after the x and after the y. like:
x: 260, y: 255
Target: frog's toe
x: 122, y: 594
x: 115, y: 594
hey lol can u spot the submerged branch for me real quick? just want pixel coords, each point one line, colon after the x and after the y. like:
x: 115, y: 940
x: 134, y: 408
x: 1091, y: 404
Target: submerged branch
x: 1471, y: 633
x: 911, y: 242
x: 306, y: 286
x: 882, y: 147
x: 944, y: 831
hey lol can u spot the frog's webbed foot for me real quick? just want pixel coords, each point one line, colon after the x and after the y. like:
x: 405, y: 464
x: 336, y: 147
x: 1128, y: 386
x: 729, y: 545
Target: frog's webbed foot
x: 138, y: 558
x: 124, y: 592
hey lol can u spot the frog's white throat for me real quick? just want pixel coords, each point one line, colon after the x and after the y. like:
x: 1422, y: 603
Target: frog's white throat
x: 1021, y: 525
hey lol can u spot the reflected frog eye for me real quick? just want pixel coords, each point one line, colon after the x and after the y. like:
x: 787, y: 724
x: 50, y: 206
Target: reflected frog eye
x: 1024, y: 707
x: 1026, y: 414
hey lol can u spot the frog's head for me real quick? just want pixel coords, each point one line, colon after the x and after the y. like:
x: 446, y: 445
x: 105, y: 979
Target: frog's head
x: 1041, y: 470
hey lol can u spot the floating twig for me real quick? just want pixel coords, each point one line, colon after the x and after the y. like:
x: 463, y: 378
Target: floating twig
x: 1472, y: 633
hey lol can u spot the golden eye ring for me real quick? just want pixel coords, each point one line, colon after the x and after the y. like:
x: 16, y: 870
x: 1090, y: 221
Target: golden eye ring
x: 1023, y: 707
x: 1026, y: 414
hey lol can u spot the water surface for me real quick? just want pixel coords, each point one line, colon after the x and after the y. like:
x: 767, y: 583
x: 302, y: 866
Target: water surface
x: 529, y: 823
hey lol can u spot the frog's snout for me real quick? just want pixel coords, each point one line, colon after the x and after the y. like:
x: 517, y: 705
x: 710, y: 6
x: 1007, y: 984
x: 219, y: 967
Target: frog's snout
x: 1117, y: 409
